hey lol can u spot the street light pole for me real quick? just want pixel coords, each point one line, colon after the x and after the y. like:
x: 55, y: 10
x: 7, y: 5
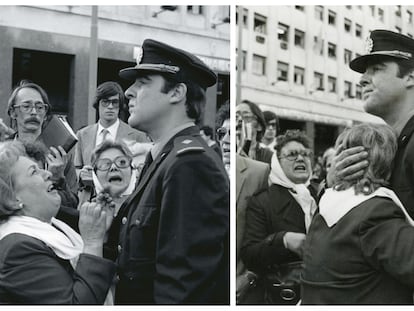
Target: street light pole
x: 239, y: 54
x: 93, y: 64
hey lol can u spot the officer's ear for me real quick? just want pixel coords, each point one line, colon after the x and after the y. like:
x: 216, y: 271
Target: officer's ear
x: 410, y: 79
x: 179, y: 93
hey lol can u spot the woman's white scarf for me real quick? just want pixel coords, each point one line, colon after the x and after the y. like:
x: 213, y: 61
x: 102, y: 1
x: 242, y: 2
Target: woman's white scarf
x: 62, y: 239
x: 336, y: 204
x: 300, y: 192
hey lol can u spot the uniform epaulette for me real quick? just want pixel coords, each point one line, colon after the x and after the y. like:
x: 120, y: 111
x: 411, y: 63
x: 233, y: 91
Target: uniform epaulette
x: 186, y: 144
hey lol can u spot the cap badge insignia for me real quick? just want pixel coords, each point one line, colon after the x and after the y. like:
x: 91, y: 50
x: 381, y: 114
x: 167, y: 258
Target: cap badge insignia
x: 369, y: 44
x: 139, y: 55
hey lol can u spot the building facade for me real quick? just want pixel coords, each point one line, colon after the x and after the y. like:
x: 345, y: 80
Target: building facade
x: 52, y: 45
x: 295, y: 62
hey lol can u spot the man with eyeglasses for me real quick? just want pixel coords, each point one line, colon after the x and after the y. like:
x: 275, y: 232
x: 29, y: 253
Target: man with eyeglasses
x: 109, y: 99
x: 28, y: 108
x: 174, y: 229
x: 269, y: 137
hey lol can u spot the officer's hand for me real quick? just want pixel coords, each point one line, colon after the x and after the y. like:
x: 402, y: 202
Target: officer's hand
x: 92, y: 227
x: 56, y: 161
x: 294, y: 242
x: 348, y: 164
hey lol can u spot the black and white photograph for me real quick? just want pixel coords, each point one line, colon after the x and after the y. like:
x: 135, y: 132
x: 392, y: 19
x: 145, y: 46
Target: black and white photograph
x: 115, y: 155
x: 324, y: 177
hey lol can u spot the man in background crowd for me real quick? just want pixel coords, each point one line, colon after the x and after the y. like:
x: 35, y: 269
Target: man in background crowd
x: 272, y: 128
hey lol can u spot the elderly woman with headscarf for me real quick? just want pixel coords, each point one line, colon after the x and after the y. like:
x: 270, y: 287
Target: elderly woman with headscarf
x: 42, y: 260
x: 359, y: 248
x: 277, y: 219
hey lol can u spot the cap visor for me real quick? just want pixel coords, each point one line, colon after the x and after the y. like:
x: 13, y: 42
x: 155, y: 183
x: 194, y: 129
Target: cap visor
x: 132, y: 73
x: 361, y: 63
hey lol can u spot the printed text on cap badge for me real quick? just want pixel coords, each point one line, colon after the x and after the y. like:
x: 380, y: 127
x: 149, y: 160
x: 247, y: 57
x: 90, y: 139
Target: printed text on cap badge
x: 139, y: 55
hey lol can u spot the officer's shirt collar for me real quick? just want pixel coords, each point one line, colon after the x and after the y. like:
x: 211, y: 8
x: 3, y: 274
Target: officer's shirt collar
x: 160, y: 144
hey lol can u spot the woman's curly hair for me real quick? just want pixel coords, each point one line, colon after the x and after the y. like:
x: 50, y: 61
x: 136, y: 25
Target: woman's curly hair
x: 380, y: 141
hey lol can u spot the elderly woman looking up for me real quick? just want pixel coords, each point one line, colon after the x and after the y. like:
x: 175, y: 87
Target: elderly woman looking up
x: 359, y: 249
x: 277, y: 218
x: 42, y: 260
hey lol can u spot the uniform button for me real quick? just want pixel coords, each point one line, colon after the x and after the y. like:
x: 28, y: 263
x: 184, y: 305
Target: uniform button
x: 119, y: 248
x: 124, y: 220
x: 137, y: 221
x: 403, y: 138
x: 117, y: 278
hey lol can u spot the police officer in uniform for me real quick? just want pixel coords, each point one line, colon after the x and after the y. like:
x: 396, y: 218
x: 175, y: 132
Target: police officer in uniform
x: 173, y: 230
x: 387, y: 83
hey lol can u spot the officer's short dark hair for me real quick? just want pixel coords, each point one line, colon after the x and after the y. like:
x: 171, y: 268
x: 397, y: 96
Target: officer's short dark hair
x: 106, y: 90
x: 195, y: 97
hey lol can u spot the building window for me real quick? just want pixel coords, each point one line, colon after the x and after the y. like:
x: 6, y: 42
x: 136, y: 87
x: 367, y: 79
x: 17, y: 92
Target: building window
x: 347, y: 25
x: 299, y: 75
x: 282, y: 71
x: 358, y: 91
x: 283, y: 35
x: 318, y: 81
x: 397, y: 29
x: 299, y: 38
x: 300, y: 8
x: 358, y: 31
x: 331, y: 50
x: 357, y: 55
x: 245, y: 17
x: 349, y: 7
x: 348, y: 90
x: 347, y: 56
x: 259, y: 65
x: 331, y: 18
x: 331, y: 84
x: 319, y: 12
x: 410, y: 17
x: 381, y: 14
x: 318, y: 44
x: 259, y: 23
x: 398, y: 10
x: 372, y: 8
x: 195, y: 9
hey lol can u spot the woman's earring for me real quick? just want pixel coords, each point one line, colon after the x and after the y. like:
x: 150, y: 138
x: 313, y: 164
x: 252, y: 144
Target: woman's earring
x: 21, y: 205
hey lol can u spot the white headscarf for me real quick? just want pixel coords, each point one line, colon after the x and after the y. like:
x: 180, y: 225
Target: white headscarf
x: 300, y: 192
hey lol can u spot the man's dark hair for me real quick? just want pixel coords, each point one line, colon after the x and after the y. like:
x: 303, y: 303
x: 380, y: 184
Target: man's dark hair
x: 260, y: 118
x: 269, y: 116
x: 208, y: 131
x: 106, y: 90
x: 195, y: 97
x: 223, y: 114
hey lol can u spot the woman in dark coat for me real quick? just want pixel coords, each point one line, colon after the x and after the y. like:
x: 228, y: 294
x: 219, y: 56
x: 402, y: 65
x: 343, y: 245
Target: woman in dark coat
x: 277, y: 218
x: 359, y: 249
x: 42, y: 260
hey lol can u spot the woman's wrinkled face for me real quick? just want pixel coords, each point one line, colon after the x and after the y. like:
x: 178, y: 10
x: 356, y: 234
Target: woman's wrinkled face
x: 295, y: 161
x: 34, y: 189
x: 116, y: 179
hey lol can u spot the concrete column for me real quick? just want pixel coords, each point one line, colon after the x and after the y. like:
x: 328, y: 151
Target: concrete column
x: 310, y: 132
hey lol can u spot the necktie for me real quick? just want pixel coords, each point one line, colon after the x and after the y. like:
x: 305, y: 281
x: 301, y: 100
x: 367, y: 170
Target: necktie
x: 105, y: 133
x: 147, y: 163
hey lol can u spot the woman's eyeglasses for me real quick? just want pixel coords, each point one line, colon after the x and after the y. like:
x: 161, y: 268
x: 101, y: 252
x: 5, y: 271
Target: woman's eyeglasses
x: 120, y: 162
x: 293, y: 155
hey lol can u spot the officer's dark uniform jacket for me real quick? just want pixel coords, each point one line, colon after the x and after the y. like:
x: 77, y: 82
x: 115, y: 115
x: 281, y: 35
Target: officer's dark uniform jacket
x: 173, y: 230
x: 402, y: 178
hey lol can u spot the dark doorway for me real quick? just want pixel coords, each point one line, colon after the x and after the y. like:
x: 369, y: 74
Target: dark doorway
x: 325, y: 136
x: 108, y: 70
x: 52, y: 71
x: 223, y: 89
x: 287, y: 124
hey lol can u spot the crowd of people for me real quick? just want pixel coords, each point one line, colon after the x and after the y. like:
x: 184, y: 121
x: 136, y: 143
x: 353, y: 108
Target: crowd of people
x: 334, y: 229
x: 135, y: 213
